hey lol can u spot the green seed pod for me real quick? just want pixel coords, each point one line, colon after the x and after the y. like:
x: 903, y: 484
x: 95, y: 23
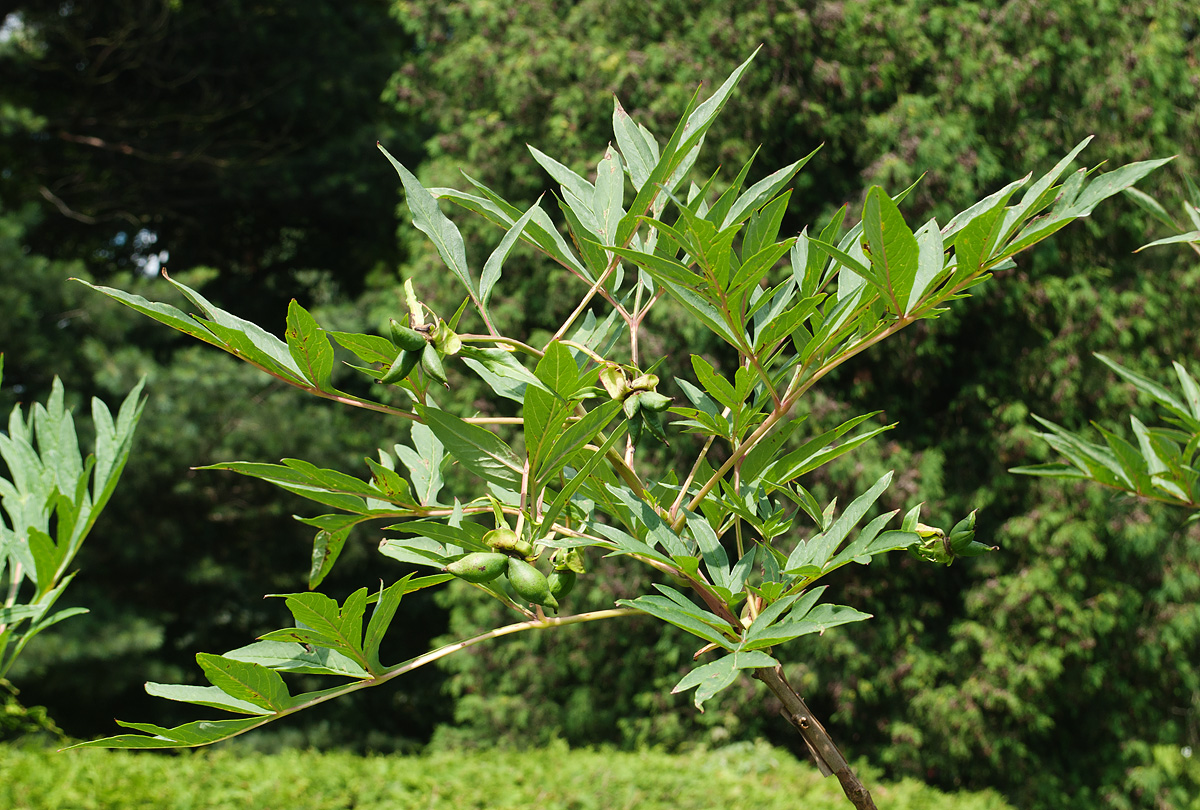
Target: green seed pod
x: 967, y: 524
x: 963, y: 533
x: 432, y: 363
x: 508, y: 541
x: 502, y: 539
x: 445, y: 339
x: 561, y: 582
x: 565, y: 558
x: 481, y: 566
x: 645, y: 382
x: 974, y: 549
x: 635, y: 429
x: 654, y: 424
x: 654, y: 401
x: 934, y: 546
x: 530, y: 583
x: 403, y: 365
x: 632, y: 404
x: 612, y: 377
x: 409, y: 340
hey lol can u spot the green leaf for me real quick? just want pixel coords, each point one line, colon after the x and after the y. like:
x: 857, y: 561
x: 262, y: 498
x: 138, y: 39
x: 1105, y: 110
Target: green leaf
x: 424, y: 463
x: 381, y: 619
x: 716, y: 561
x: 774, y: 611
x: 985, y: 206
x: 113, y: 443
x: 636, y: 145
x: 582, y: 431
x: 821, y: 450
x: 1110, y: 183
x: 580, y: 477
x: 610, y: 188
x: 894, y: 251
x: 245, y: 339
x: 392, y: 487
x: 1148, y: 203
x: 1153, y: 389
x: 289, y: 656
x: 492, y: 268
x: 1082, y: 205
x: 1191, y: 236
x: 1034, y: 197
x: 559, y: 372
x: 973, y: 246
x: 465, y: 534
x: 817, y: 620
x: 702, y: 117
x: 479, y: 450
x: 569, y: 180
x: 710, y: 679
x: 870, y: 543
x: 657, y: 531
x: 756, y: 266
x: 250, y: 682
x: 714, y: 384
x: 763, y: 227
x: 430, y: 220
x: 46, y: 557
x: 303, y: 482
x: 163, y: 313
x: 1055, y: 470
x: 540, y: 232
x: 339, y: 628
x: 327, y: 547
x: 851, y: 262
x: 931, y: 261
x: 1191, y: 390
x: 309, y: 346
x: 16, y: 613
x: 189, y: 735
x: 1132, y: 465
x: 581, y: 224
x: 212, y: 696
x: 544, y: 417
x: 679, y: 152
x: 694, y: 620
x: 369, y: 348
x: 819, y: 549
x: 1095, y: 460
x: 764, y: 190
x: 501, y: 371
x: 627, y: 544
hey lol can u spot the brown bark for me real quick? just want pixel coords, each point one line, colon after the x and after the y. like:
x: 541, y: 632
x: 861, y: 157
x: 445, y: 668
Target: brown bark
x: 826, y: 754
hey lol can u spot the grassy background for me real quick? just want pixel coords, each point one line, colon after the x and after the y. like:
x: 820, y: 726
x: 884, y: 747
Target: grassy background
x: 743, y: 775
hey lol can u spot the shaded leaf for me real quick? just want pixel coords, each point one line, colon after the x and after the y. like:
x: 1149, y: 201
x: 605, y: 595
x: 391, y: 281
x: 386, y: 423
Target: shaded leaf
x: 710, y: 679
x: 479, y: 450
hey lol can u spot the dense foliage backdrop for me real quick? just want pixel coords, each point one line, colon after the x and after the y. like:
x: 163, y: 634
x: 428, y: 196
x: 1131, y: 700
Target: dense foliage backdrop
x: 238, y: 139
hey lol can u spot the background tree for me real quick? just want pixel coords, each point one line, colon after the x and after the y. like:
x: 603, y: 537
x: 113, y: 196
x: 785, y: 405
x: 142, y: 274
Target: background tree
x: 959, y: 93
x: 233, y: 142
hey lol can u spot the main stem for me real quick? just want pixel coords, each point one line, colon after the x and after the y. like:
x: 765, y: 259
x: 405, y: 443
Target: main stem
x: 820, y: 745
x: 828, y: 758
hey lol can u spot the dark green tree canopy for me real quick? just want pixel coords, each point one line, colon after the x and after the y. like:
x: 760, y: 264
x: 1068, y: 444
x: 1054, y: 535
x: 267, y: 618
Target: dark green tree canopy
x: 240, y: 134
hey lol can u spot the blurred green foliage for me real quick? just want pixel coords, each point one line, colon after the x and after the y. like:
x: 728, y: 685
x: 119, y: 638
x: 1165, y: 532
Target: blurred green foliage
x: 742, y: 775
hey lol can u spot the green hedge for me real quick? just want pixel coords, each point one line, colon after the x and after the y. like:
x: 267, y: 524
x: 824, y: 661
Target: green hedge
x: 743, y: 775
